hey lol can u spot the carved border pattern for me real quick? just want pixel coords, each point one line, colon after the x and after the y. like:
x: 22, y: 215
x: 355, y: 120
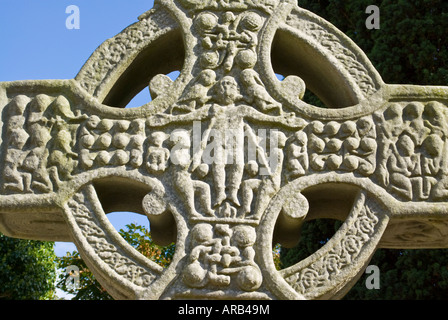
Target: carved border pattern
x: 107, y: 250
x: 112, y: 53
x: 314, y: 276
x: 334, y: 44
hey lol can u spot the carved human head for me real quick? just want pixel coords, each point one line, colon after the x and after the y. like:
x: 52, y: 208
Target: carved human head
x: 227, y: 90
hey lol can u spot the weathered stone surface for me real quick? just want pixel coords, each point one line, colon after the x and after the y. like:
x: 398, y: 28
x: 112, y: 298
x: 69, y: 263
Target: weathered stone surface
x: 226, y: 160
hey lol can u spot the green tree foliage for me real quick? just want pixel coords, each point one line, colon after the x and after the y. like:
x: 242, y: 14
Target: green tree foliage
x: 411, y: 47
x: 27, y: 269
x: 314, y: 235
x: 407, y: 275
x: 89, y: 288
x: 140, y: 238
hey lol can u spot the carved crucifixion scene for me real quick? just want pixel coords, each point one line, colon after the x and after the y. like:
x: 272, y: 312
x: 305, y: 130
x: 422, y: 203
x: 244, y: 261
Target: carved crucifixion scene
x: 227, y: 160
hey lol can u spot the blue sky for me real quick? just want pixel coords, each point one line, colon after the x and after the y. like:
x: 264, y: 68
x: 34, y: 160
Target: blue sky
x: 37, y: 45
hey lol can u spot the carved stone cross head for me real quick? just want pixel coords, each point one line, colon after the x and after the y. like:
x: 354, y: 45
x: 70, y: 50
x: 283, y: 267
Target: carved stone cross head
x: 227, y: 160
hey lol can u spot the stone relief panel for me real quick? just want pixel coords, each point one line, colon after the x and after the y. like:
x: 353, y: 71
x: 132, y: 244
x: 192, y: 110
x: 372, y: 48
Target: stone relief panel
x: 41, y: 152
x: 400, y: 147
x: 349, y: 146
x: 228, y: 159
x: 223, y: 257
x: 411, y: 161
x: 107, y: 142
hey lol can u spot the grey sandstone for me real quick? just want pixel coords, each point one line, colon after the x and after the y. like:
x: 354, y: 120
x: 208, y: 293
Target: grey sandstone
x: 227, y: 160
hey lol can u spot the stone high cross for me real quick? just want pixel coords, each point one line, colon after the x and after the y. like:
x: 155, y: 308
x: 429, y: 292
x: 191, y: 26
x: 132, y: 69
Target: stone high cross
x: 227, y: 160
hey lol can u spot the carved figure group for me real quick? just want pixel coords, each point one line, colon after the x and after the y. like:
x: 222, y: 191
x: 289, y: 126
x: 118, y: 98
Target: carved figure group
x: 228, y: 39
x: 37, y: 125
x: 106, y: 142
x: 413, y: 139
x: 221, y: 255
x: 346, y: 147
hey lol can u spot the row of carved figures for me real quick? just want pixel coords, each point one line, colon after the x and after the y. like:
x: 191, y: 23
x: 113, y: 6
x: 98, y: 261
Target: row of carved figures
x: 172, y: 155
x: 332, y: 146
x: 402, y: 148
x: 106, y: 142
x: 46, y: 144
